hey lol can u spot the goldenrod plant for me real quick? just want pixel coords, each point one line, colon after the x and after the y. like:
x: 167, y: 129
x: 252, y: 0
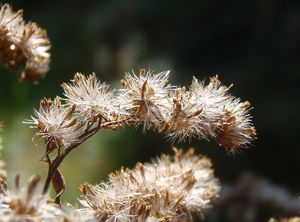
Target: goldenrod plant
x: 170, y: 188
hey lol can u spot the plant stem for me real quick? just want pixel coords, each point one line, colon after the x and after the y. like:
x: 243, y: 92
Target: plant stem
x: 53, y: 166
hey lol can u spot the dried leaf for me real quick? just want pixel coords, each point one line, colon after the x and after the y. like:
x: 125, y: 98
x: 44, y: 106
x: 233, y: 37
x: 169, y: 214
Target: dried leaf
x: 58, y: 182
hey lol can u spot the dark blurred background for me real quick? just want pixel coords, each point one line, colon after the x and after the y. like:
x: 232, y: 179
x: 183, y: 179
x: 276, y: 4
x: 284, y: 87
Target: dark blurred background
x: 253, y: 44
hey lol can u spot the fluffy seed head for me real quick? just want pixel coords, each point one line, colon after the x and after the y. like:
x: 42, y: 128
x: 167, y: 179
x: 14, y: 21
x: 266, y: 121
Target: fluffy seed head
x: 92, y: 98
x: 23, y: 47
x: 56, y: 123
x: 145, y: 96
x: 209, y: 111
x: 23, y: 204
x: 168, y: 189
x: 236, y: 126
x: 184, y: 119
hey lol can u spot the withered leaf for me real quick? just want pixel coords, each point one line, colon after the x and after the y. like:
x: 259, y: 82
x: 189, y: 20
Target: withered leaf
x: 58, y: 182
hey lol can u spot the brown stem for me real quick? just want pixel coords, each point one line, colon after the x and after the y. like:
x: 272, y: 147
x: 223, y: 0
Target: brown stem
x: 53, y: 166
x: 58, y: 160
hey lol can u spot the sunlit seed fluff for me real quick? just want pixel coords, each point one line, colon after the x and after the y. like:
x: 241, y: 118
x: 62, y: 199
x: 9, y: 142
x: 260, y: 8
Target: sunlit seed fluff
x: 211, y: 98
x: 24, y: 48
x: 145, y: 96
x: 209, y: 111
x: 197, y: 112
x: 57, y: 123
x: 11, y: 23
x: 236, y: 129
x: 184, y: 118
x: 92, y: 98
x: 24, y: 204
x: 168, y: 189
x: 11, y: 32
x: 36, y: 45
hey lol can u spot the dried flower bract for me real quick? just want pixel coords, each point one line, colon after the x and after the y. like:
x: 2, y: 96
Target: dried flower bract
x: 24, y: 47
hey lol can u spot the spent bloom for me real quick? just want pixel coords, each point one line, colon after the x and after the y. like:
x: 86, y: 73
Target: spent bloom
x: 171, y: 188
x: 24, y: 204
x: 91, y: 97
x: 184, y: 118
x: 203, y: 111
x: 145, y: 96
x: 229, y: 119
x: 24, y: 47
x: 56, y: 124
x: 236, y: 127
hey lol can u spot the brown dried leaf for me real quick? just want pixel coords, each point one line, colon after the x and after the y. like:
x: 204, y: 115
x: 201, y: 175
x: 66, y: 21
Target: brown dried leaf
x: 58, y: 182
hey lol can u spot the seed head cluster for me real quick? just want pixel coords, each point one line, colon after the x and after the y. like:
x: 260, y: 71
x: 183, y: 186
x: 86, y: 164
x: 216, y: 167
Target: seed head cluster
x: 23, y: 46
x: 170, y: 188
x: 202, y: 111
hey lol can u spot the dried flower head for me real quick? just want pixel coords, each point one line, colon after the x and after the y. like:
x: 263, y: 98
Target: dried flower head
x: 23, y: 47
x: 236, y: 127
x: 184, y: 118
x: 168, y: 189
x: 228, y: 117
x: 203, y: 111
x: 145, y: 96
x: 56, y: 124
x: 24, y: 204
x: 91, y: 97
